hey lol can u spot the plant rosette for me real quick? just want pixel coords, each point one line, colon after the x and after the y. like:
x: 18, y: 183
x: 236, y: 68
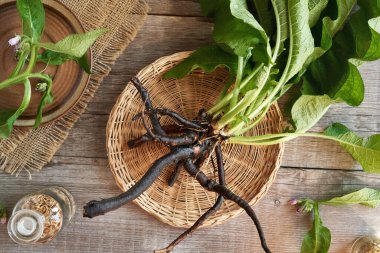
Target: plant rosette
x: 269, y: 47
x: 41, y: 76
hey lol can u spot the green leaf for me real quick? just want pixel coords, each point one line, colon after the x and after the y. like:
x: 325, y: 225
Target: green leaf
x: 367, y: 197
x: 318, y: 239
x: 281, y: 9
x: 47, y: 98
x: 263, y: 12
x: 54, y: 58
x: 8, y: 118
x: 316, y: 7
x: 207, y: 58
x: 331, y: 27
x: 32, y: 14
x: 345, y: 85
x: 308, y: 110
x: 75, y: 45
x: 301, y: 39
x: 235, y: 27
x: 357, y: 42
x: 365, y: 151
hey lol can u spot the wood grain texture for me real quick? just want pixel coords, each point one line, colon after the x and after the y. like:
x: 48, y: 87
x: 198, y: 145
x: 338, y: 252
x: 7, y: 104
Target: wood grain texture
x: 129, y: 229
x: 81, y: 166
x: 175, y: 8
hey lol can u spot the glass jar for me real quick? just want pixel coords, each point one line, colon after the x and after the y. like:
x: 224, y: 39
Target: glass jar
x: 366, y: 244
x: 38, y: 217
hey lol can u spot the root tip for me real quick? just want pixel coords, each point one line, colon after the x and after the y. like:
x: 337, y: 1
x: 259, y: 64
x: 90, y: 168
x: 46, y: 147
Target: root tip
x: 91, y: 209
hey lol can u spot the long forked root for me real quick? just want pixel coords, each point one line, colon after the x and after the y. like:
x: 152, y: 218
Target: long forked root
x: 208, y: 213
x: 191, y: 143
x: 222, y: 190
x: 95, y: 208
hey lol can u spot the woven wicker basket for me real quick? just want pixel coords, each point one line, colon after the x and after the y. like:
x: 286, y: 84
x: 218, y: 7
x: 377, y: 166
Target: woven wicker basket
x: 249, y: 170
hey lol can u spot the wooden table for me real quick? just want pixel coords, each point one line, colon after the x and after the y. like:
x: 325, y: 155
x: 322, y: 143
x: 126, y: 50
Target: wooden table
x: 311, y: 168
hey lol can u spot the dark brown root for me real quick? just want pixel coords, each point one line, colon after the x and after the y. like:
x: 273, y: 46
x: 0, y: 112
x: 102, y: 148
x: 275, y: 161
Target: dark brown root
x: 95, y: 208
x: 211, y: 185
x: 191, y: 147
x: 208, y: 213
x: 157, y: 129
x: 181, y: 120
x: 175, y: 174
x: 141, y: 140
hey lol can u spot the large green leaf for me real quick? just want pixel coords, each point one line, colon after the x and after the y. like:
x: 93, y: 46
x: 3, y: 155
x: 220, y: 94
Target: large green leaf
x: 318, y: 239
x: 345, y: 84
x: 301, y: 39
x: 8, y: 118
x: 358, y: 41
x: 281, y: 10
x: 54, y: 58
x: 365, y: 151
x: 367, y: 197
x: 234, y: 26
x: 331, y: 27
x: 316, y: 7
x: 75, y: 45
x: 207, y: 58
x: 263, y: 12
x: 308, y: 110
x: 32, y: 14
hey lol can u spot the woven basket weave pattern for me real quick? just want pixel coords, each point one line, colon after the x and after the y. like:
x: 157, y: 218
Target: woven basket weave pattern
x: 249, y: 170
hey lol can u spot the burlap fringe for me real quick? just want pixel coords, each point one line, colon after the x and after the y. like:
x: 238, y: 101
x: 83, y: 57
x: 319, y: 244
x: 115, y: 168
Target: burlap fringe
x: 30, y: 149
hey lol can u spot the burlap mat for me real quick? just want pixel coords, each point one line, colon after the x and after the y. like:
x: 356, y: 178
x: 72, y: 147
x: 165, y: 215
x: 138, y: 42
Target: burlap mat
x: 30, y: 149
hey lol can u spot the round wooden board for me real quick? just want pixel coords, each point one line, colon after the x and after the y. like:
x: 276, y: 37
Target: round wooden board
x: 69, y: 80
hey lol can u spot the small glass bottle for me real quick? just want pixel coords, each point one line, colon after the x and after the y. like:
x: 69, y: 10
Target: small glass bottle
x: 366, y: 244
x: 38, y: 217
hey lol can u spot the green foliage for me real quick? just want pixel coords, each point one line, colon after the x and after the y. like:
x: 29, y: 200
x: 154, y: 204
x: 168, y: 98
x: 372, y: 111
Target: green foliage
x: 341, y: 49
x: 366, y: 196
x: 73, y: 47
x: 308, y: 110
x: 47, y: 98
x: 301, y: 40
x: 365, y: 151
x: 54, y: 58
x: 318, y: 239
x: 207, y: 58
x: 317, y: 44
x: 235, y: 27
x: 8, y: 118
x: 32, y: 15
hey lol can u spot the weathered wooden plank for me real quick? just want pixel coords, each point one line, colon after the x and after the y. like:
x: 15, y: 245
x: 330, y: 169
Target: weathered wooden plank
x: 174, y: 8
x: 130, y: 229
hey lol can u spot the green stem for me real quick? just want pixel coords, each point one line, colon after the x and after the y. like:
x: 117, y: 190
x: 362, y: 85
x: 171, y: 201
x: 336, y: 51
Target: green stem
x: 21, y: 78
x: 271, y: 139
x: 225, y: 100
x: 239, y: 76
x: 278, y: 34
x: 20, y: 64
x: 33, y: 59
x: 257, y: 107
x: 11, y: 81
x: 237, y: 129
x: 248, y: 99
x: 28, y: 72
